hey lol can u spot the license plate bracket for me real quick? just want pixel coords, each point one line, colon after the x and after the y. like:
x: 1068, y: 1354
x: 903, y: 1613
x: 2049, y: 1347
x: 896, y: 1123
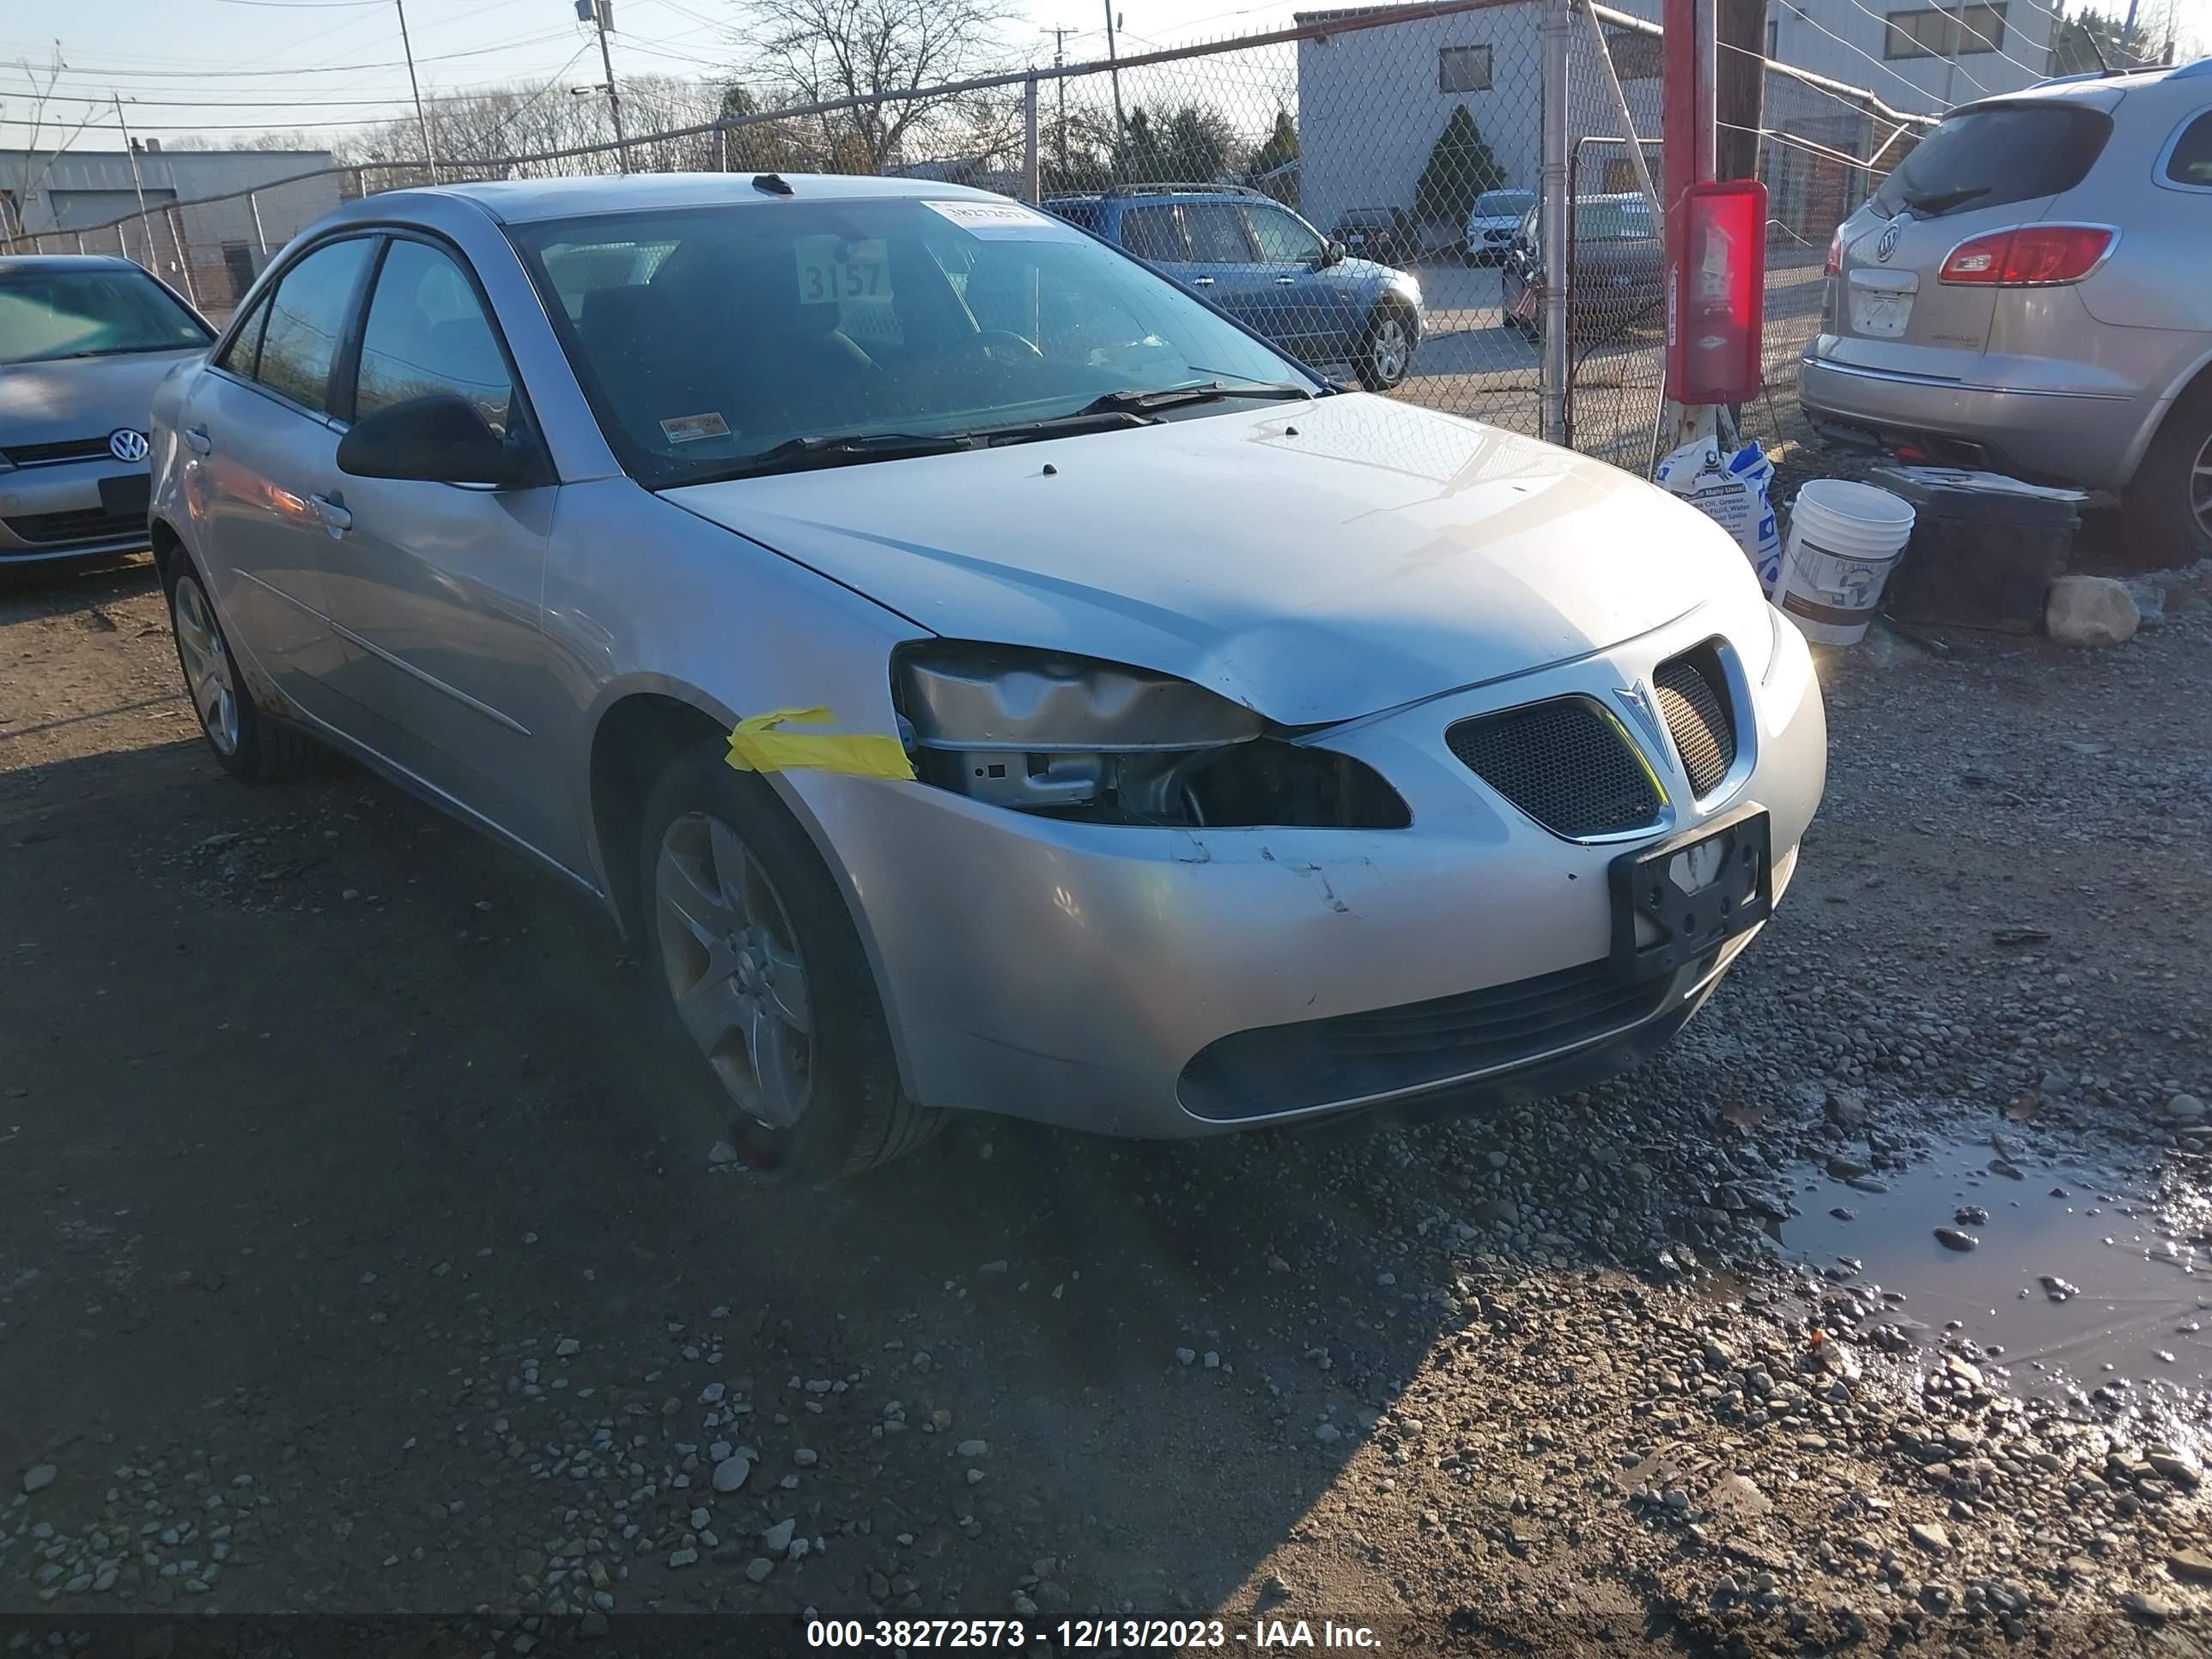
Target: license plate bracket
x: 126, y: 495
x: 1698, y: 889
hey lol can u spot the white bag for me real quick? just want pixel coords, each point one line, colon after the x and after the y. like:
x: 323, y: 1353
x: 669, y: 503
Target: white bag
x: 1733, y: 493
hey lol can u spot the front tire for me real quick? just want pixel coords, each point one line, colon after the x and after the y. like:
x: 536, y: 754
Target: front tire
x: 2169, y: 505
x: 1386, y: 350
x: 763, y: 979
x: 250, y: 746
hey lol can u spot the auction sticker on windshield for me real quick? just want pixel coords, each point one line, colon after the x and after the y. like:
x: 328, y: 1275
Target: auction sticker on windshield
x: 1005, y: 222
x: 832, y: 269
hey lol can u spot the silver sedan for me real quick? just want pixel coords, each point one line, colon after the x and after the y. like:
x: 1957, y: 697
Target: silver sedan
x: 975, y: 672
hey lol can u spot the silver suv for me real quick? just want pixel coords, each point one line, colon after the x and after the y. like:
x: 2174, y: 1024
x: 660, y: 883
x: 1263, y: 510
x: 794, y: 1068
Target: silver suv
x: 2028, y: 291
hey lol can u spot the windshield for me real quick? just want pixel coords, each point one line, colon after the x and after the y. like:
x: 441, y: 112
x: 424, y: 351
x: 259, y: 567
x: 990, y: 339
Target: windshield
x: 1994, y: 156
x: 1614, y: 221
x: 1503, y: 203
x: 97, y: 311
x: 754, y: 326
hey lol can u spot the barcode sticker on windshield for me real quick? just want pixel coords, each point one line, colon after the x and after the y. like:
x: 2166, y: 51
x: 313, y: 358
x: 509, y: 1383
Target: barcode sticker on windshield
x: 1004, y: 221
x: 690, y: 428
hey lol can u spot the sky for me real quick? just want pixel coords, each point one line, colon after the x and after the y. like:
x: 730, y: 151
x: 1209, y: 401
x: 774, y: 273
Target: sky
x: 230, y: 68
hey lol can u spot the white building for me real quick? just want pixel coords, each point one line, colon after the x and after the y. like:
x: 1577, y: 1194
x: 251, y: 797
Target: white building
x: 1373, y: 103
x: 53, y: 204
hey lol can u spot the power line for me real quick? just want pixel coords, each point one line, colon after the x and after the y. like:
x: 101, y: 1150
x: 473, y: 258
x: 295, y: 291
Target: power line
x: 1852, y: 46
x: 96, y: 72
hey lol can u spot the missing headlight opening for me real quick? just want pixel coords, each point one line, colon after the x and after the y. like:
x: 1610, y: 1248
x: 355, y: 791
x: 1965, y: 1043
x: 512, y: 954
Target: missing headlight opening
x: 1076, y: 738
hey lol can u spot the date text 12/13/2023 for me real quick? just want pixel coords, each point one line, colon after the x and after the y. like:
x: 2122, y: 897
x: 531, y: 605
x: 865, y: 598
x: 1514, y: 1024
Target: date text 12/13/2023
x: 1071, y: 1635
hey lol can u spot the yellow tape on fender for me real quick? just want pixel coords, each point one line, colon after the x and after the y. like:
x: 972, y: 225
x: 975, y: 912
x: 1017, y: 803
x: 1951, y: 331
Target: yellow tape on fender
x: 760, y: 744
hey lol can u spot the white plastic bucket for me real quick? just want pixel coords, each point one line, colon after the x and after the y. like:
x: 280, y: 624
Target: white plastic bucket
x: 1845, y: 539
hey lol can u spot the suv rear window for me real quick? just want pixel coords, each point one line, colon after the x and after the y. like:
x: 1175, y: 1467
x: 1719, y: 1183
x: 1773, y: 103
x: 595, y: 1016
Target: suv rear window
x: 1994, y: 154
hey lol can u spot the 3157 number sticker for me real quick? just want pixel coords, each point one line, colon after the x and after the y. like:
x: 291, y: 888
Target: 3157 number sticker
x: 832, y: 270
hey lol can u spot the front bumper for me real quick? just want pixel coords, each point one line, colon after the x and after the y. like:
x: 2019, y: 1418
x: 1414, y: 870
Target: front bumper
x: 2076, y: 437
x: 1072, y: 973
x: 54, y: 511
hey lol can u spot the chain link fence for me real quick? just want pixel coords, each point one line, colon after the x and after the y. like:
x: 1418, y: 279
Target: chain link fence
x: 1368, y: 188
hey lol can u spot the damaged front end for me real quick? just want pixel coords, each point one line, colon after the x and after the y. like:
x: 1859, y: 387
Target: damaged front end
x: 1075, y: 737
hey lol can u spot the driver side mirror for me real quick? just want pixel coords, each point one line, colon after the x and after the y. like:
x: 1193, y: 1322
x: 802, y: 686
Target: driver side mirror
x: 441, y: 439
x: 1331, y: 254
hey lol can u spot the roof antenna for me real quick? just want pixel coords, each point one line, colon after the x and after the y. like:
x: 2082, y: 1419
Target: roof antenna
x: 772, y: 183
x: 2096, y: 51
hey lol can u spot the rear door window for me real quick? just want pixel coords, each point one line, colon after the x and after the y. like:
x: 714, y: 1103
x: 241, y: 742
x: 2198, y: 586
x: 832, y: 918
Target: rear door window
x: 1151, y: 233
x: 1994, y: 155
x: 2190, y: 160
x: 1217, y: 235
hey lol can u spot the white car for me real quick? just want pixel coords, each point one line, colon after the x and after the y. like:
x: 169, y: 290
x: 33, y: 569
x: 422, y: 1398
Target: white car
x: 1492, y: 222
x: 978, y: 674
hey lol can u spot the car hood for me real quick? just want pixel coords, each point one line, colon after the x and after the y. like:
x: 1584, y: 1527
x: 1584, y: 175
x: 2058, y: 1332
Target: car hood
x: 1314, y: 561
x: 80, y: 397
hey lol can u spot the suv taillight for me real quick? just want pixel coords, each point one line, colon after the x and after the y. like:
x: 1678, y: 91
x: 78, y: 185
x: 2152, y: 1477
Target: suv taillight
x: 2028, y: 256
x: 1835, y: 255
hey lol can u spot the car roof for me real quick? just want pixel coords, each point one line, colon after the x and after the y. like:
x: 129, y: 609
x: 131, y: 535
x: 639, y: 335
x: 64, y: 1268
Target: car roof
x: 2101, y: 91
x: 525, y: 201
x: 16, y: 263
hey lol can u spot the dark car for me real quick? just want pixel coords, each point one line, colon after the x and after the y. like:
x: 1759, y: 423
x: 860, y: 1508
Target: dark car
x: 1382, y: 234
x: 1252, y: 258
x: 1617, y: 272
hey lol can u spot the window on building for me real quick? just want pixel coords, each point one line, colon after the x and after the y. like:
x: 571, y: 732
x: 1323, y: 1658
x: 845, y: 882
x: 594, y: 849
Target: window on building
x: 1945, y: 32
x: 238, y: 261
x: 1635, y: 56
x: 1463, y: 68
x: 1774, y: 37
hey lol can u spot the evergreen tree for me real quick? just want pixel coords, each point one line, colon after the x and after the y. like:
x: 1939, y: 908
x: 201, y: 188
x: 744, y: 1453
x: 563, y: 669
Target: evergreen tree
x: 1460, y: 167
x: 1281, y: 145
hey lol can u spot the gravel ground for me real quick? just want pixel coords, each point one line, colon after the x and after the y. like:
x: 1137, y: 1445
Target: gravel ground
x: 348, y: 1264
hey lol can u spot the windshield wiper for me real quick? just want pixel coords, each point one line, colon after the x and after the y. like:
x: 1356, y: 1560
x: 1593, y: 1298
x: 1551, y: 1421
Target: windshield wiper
x: 1944, y: 201
x: 795, y: 455
x: 1130, y: 401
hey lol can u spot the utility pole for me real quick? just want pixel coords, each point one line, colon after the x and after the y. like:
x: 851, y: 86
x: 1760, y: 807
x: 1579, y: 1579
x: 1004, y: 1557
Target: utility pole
x: 1738, y: 86
x: 136, y: 183
x: 601, y: 15
x: 1059, y: 61
x: 1116, y: 73
x: 421, y: 121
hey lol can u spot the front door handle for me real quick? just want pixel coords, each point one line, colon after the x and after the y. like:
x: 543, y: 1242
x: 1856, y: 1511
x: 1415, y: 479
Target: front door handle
x: 196, y: 436
x: 1285, y: 282
x: 332, y: 512
x: 1201, y: 282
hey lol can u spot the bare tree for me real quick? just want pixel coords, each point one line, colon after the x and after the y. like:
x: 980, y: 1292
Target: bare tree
x: 874, y: 49
x: 32, y: 171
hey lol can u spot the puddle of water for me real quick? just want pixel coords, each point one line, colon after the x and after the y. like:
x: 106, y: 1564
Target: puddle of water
x: 2067, y: 1292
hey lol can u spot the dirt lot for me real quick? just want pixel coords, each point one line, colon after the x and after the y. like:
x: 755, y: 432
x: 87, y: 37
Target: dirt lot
x: 350, y: 1263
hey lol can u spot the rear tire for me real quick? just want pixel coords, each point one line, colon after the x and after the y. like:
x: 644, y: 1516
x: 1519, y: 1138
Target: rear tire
x: 2169, y: 506
x: 249, y: 745
x: 1386, y: 350
x: 768, y: 994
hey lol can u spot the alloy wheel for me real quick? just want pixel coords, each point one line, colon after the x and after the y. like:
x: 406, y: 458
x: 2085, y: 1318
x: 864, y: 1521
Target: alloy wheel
x: 207, y: 664
x: 2200, y: 487
x: 1391, y: 350
x: 733, y: 968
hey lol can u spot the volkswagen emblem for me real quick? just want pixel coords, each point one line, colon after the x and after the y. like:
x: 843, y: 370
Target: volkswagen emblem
x: 126, y: 445
x: 1887, y: 244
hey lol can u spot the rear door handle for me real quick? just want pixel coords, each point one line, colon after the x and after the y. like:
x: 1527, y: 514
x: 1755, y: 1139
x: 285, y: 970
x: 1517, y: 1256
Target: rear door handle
x: 335, y: 518
x: 196, y: 436
x: 1285, y: 282
x: 1201, y: 282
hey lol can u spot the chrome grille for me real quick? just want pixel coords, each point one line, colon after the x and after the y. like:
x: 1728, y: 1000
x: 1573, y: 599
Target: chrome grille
x: 1693, y: 699
x: 1567, y: 763
x: 72, y: 449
